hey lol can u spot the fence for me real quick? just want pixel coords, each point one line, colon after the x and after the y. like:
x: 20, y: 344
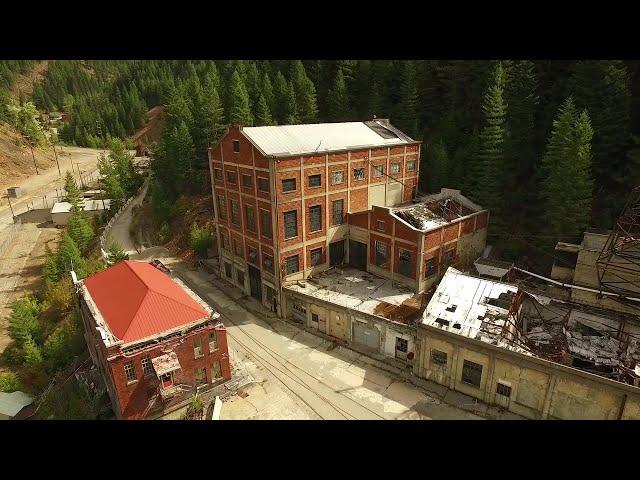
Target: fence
x: 11, y: 233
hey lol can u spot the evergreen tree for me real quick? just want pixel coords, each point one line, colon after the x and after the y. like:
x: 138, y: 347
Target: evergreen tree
x: 116, y: 254
x: 489, y: 190
x: 437, y: 166
x: 263, y: 115
x: 73, y: 192
x: 406, y: 116
x: 338, y: 101
x: 291, y: 107
x: 69, y: 257
x: 239, y: 110
x: 281, y: 95
x: 268, y: 93
x: 567, y: 186
x: 305, y: 93
x: 32, y: 353
x: 79, y: 229
x: 23, y: 320
x: 50, y: 271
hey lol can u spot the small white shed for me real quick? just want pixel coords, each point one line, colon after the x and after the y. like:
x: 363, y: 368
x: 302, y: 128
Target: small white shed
x: 61, y: 211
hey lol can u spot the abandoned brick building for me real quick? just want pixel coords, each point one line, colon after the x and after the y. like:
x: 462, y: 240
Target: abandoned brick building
x: 154, y: 341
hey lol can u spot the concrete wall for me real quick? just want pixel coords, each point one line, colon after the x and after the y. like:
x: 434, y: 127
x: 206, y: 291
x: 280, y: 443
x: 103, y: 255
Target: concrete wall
x: 539, y: 389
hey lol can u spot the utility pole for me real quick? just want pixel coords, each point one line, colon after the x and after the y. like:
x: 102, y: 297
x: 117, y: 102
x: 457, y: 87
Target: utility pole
x: 11, y: 208
x: 30, y: 142
x: 77, y: 164
x: 56, y: 155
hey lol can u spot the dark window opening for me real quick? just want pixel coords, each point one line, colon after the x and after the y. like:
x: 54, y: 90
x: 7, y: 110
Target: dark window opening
x: 358, y: 173
x: 265, y: 223
x: 442, y: 322
x: 315, y: 180
x: 249, y: 212
x: 252, y: 254
x: 438, y: 357
x: 217, y: 174
x: 293, y: 264
x: 290, y: 224
x: 235, y: 213
x: 288, y: 185
x: 268, y: 262
x: 247, y: 181
x: 381, y: 254
x: 431, y: 268
x: 263, y: 184
x: 315, y: 218
x: 451, y: 308
x: 227, y: 270
x: 316, y: 256
x: 504, y: 390
x: 471, y: 373
x: 236, y: 146
x: 338, y: 215
x: 404, y: 265
x: 231, y: 177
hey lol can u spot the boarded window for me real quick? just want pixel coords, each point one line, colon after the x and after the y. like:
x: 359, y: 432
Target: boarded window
x: 404, y: 264
x: 315, y: 180
x: 378, y: 170
x: 316, y: 256
x: 250, y: 214
x: 231, y: 177
x: 381, y: 254
x: 337, y: 178
x: 395, y: 168
x: 471, y: 373
x: 235, y: 213
x: 291, y: 224
x: 431, y: 268
x: 268, y: 262
x: 217, y: 173
x: 293, y: 264
x: 236, y: 146
x: 263, y: 184
x: 222, y: 207
x: 315, y: 218
x: 247, y: 181
x: 265, y: 223
x: 338, y: 215
x: 411, y: 165
x: 130, y: 371
x: 438, y: 357
x: 358, y: 173
x: 288, y: 185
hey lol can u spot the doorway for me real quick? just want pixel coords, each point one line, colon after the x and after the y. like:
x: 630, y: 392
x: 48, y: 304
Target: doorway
x: 336, y: 253
x: 358, y: 255
x: 255, y: 282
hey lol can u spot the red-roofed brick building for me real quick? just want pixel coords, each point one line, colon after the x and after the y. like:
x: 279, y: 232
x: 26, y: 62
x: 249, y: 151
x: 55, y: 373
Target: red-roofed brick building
x: 154, y: 341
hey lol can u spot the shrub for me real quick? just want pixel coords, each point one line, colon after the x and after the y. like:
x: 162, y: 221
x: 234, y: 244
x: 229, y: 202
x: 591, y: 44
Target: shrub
x: 23, y: 320
x: 200, y: 240
x: 116, y: 254
x: 163, y: 233
x: 32, y: 354
x: 63, y: 345
x: 9, y: 382
x: 58, y: 296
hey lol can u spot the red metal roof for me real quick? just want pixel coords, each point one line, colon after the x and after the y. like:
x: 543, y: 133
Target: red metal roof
x: 137, y: 301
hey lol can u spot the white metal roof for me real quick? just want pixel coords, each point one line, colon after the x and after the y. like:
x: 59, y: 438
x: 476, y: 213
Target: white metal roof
x: 12, y: 403
x: 286, y: 140
x: 89, y: 205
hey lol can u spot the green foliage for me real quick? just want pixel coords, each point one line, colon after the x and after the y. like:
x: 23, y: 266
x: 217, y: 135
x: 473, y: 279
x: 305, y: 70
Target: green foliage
x: 23, y: 320
x: 79, y: 229
x: 338, y: 101
x: 63, y: 344
x: 70, y: 258
x: 263, y: 114
x: 32, y: 353
x: 438, y: 166
x: 406, y: 116
x: 200, y: 240
x: 305, y: 93
x: 24, y: 118
x: 50, y: 271
x: 116, y: 254
x: 58, y: 297
x: 240, y: 112
x: 9, y: 382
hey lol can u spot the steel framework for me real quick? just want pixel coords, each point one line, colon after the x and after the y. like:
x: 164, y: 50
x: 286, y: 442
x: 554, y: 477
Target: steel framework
x: 618, y: 264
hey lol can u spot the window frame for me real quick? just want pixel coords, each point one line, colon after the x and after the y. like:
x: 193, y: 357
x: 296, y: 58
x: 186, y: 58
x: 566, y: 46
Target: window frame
x: 268, y: 268
x: 266, y: 181
x: 222, y: 207
x: 236, y: 218
x: 406, y: 261
x: 377, y: 252
x: 252, y: 258
x: 312, y: 211
x: 295, y: 223
x: 295, y: 184
x: 397, y: 166
x: 213, y: 370
x: 413, y: 165
x: 228, y: 272
x: 435, y: 357
x: 286, y: 262
x: 333, y: 177
x: 251, y: 219
x: 265, y: 220
x: 215, y: 342
x: 147, y: 369
x: 250, y: 177
x: 435, y: 267
x: 469, y: 370
x: 311, y: 255
x: 235, y: 145
x: 239, y: 273
x: 339, y: 201
x: 130, y: 372
x: 235, y: 177
x: 378, y: 173
x: 379, y: 223
x: 315, y: 176
x: 201, y: 381
x: 359, y: 169
x: 219, y: 178
x: 503, y: 389
x: 197, y: 348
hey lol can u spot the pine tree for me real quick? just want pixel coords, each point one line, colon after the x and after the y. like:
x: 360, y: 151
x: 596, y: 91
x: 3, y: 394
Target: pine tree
x: 69, y: 257
x: 268, y: 93
x: 281, y: 95
x: 23, y: 320
x: 437, y: 166
x: 406, y: 116
x: 239, y: 110
x: 338, y: 100
x: 73, y: 192
x: 305, y: 93
x: 263, y: 115
x: 79, y: 229
x: 50, y: 271
x: 489, y: 190
x: 567, y: 186
x: 291, y: 107
x: 32, y: 353
x: 116, y: 254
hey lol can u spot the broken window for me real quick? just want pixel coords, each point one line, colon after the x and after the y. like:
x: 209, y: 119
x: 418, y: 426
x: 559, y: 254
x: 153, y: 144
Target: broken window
x: 217, y: 173
x: 442, y: 322
x: 130, y: 371
x: 315, y: 218
x: 358, y: 173
x: 314, y: 317
x: 224, y: 241
x: 213, y: 342
x: 290, y: 224
x: 449, y: 255
x: 338, y: 206
x: 236, y: 146
x: 451, y: 308
x: 237, y: 247
x: 431, y: 267
x: 504, y: 390
x: 263, y: 184
x: 231, y: 177
x: 197, y: 347
x: 337, y: 178
x: 395, y: 168
x: 404, y: 264
x: 288, y: 185
x: 292, y: 264
x: 402, y: 346
x: 268, y: 262
x: 147, y: 368
x: 381, y: 254
x: 315, y: 180
x: 201, y: 376
x: 240, y: 278
x: 227, y: 270
x: 411, y: 165
x: 380, y: 225
x: 265, y: 223
x: 252, y: 254
x: 378, y: 170
x: 316, y: 256
x: 222, y: 207
x: 250, y: 214
x: 247, y: 181
x: 235, y: 213
x: 216, y: 371
x: 471, y: 373
x: 438, y: 357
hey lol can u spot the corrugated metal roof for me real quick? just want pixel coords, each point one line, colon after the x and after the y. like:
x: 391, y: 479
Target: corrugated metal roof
x: 139, y: 301
x: 286, y: 140
x: 88, y: 206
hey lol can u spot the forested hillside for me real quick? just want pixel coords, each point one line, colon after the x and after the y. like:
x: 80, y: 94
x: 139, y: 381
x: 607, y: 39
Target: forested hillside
x: 551, y: 147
